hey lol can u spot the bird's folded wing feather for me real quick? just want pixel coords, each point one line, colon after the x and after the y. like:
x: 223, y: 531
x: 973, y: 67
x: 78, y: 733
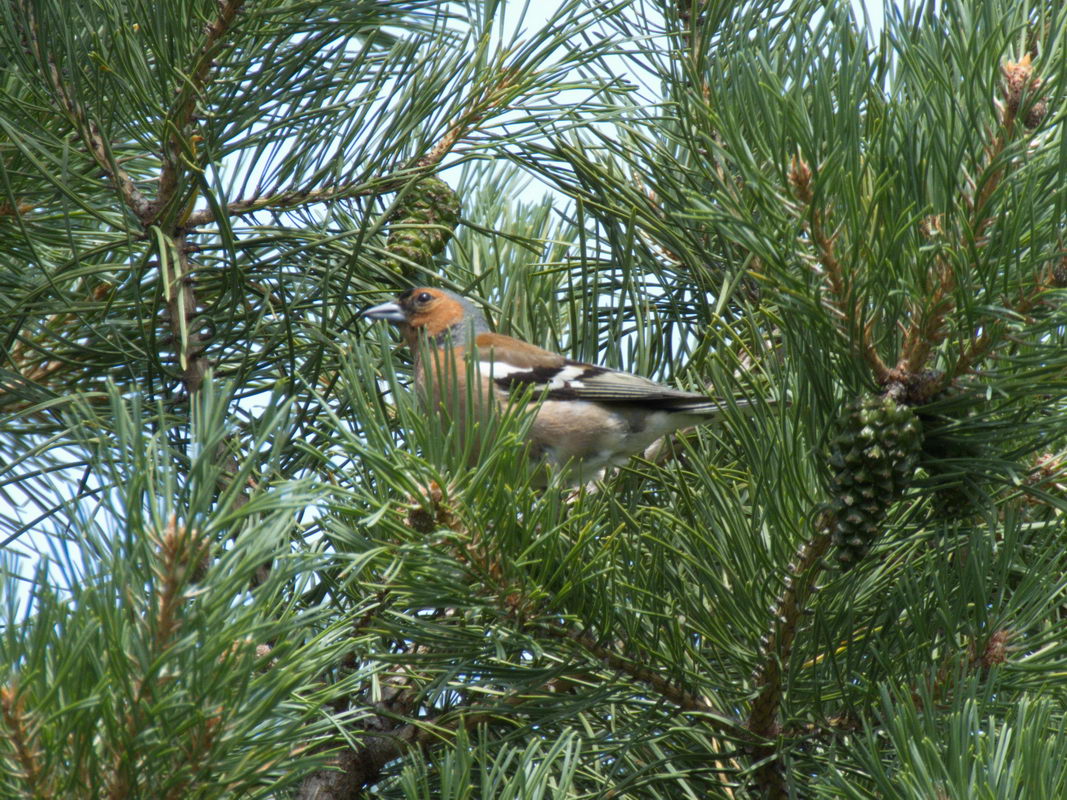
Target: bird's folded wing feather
x: 577, y: 381
x: 514, y: 365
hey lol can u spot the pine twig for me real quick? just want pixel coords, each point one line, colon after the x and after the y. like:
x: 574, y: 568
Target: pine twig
x: 927, y: 328
x: 88, y: 130
x: 981, y: 344
x: 283, y: 201
x: 848, y: 308
x: 763, y: 720
x: 426, y: 164
x: 188, y: 95
x: 21, y: 736
x: 32, y: 370
x: 181, y: 310
x: 679, y: 696
x: 475, y: 554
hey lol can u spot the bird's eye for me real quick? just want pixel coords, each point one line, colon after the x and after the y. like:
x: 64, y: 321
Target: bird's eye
x: 424, y: 297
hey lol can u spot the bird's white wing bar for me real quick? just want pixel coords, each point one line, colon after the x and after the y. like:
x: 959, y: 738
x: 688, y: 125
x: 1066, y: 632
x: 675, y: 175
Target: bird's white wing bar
x: 577, y: 381
x: 567, y: 377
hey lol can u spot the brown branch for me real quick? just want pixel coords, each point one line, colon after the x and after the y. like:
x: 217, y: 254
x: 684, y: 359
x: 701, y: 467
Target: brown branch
x: 475, y: 554
x: 299, y: 197
x: 384, y: 735
x: 451, y: 138
x: 22, y: 364
x: 927, y: 328
x: 180, y: 554
x: 847, y: 307
x: 424, y: 165
x: 496, y: 95
x: 385, y: 738
x: 88, y: 130
x: 290, y: 199
x: 982, y: 343
x: 188, y: 95
x: 94, y: 141
x: 763, y: 720
x: 677, y: 695
x: 516, y: 607
x: 37, y: 374
x: 181, y: 310
x: 982, y: 196
x: 352, y: 770
x: 182, y: 303
x: 22, y: 737
x: 778, y: 644
x: 147, y: 211
x: 1019, y: 84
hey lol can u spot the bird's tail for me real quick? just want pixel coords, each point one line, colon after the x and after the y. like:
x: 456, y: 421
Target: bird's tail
x: 714, y: 408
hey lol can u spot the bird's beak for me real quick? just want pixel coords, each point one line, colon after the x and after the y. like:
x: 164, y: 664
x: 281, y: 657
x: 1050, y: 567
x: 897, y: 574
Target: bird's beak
x: 390, y: 312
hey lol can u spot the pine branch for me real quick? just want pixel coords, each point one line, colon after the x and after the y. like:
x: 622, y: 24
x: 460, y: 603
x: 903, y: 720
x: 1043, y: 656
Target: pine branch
x: 382, y: 738
x: 993, y: 331
x: 31, y: 361
x: 518, y: 608
x: 1019, y: 86
x: 20, y: 734
x: 777, y: 647
x: 422, y: 166
x: 189, y: 94
x: 287, y: 200
x: 88, y: 130
x: 297, y: 198
x: 927, y: 327
x: 679, y: 696
x: 847, y: 306
x: 181, y: 310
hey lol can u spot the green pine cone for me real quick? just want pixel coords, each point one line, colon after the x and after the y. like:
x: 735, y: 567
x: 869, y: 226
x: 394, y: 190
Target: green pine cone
x: 874, y: 457
x: 422, y: 225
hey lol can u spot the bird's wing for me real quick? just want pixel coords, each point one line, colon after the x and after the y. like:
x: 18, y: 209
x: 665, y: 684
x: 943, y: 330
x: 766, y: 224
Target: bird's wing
x: 514, y: 365
x: 577, y: 381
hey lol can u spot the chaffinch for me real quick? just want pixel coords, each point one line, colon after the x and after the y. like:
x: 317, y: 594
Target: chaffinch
x: 589, y: 417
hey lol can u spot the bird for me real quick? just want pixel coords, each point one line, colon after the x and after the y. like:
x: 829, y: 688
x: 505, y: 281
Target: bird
x: 587, y: 418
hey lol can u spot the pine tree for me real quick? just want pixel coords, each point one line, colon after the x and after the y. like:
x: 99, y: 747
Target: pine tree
x: 240, y: 560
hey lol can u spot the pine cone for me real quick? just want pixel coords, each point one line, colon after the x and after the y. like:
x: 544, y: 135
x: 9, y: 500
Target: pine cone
x: 874, y: 458
x: 422, y: 224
